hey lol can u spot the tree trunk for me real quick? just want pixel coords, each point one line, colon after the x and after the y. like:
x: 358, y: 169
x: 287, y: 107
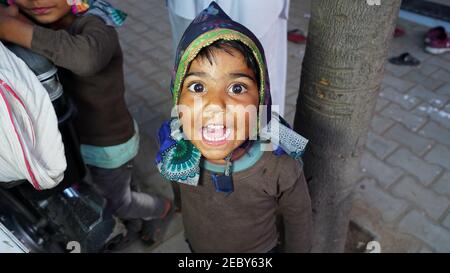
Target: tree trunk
x: 341, y: 77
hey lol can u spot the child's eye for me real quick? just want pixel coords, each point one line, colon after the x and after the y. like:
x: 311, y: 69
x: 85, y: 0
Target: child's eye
x: 237, y: 89
x: 197, y: 88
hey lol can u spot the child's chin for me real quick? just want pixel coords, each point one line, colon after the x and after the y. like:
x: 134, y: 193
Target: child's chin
x: 44, y: 20
x: 215, y: 154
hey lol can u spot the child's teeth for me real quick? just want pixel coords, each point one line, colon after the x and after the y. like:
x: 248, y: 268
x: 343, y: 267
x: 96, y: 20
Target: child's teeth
x: 227, y: 133
x: 214, y: 127
x: 216, y: 133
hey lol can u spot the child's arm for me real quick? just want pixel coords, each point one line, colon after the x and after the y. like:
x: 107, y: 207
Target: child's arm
x: 84, y: 54
x: 295, y: 207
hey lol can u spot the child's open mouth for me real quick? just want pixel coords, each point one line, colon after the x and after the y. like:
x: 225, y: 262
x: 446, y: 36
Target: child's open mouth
x: 215, y: 134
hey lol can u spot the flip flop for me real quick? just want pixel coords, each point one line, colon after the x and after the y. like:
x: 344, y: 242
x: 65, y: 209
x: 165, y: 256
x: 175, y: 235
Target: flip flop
x: 405, y: 59
x: 296, y: 37
x: 399, y: 32
x: 121, y: 243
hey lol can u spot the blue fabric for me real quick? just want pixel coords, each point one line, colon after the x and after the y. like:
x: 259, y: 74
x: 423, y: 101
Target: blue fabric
x: 222, y: 183
x: 112, y: 16
x: 177, y: 159
x: 165, y: 140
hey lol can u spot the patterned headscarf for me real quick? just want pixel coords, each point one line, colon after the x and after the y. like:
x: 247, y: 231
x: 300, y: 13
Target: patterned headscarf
x: 178, y: 159
x: 112, y: 16
x: 211, y: 25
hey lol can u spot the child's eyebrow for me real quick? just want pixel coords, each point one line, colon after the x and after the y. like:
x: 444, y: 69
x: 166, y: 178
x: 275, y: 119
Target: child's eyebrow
x: 240, y: 75
x: 198, y: 74
x: 233, y: 75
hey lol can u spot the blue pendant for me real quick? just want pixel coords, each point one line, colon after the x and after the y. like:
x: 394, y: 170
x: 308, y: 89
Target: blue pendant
x: 222, y: 183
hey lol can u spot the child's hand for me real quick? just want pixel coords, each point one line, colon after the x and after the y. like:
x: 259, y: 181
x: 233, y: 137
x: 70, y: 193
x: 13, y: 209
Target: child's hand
x: 13, y: 12
x: 15, y: 27
x: 4, y: 19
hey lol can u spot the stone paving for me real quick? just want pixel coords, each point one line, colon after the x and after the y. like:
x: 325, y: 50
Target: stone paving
x: 406, y: 187
x: 403, y: 197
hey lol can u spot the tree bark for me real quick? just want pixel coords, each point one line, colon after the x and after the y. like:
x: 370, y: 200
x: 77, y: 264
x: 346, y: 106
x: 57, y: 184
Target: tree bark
x: 341, y: 76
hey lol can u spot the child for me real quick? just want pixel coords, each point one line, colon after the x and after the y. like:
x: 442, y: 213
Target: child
x: 231, y: 190
x: 80, y: 38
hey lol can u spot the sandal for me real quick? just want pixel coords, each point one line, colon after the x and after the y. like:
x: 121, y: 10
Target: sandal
x: 405, y: 59
x: 296, y: 37
x: 399, y: 32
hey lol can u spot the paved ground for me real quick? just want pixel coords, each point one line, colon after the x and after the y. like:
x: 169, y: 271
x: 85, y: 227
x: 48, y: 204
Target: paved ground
x: 403, y: 198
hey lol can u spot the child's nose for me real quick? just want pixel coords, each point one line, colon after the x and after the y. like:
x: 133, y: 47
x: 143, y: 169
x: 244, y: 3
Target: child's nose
x: 215, y: 100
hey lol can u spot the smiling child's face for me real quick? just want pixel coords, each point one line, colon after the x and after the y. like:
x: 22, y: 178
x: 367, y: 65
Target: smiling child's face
x: 209, y: 91
x: 45, y: 11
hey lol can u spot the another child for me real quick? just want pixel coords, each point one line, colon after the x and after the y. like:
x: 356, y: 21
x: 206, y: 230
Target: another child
x: 80, y: 38
x: 231, y: 190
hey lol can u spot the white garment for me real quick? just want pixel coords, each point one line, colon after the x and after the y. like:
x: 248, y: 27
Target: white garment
x: 256, y: 15
x: 267, y: 19
x: 31, y: 146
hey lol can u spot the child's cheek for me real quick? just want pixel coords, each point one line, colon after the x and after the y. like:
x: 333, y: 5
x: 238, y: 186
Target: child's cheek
x: 241, y: 129
x: 245, y: 121
x: 186, y: 124
x: 190, y: 120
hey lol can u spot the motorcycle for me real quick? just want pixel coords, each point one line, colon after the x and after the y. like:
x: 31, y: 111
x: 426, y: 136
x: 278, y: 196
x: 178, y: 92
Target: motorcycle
x: 72, y: 217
